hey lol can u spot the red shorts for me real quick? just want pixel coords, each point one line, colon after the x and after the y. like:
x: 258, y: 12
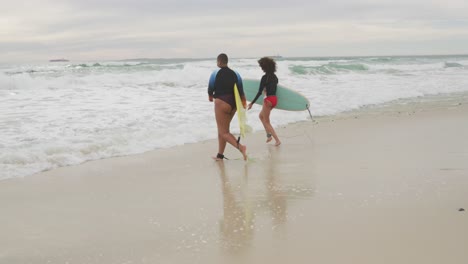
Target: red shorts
x: 272, y: 99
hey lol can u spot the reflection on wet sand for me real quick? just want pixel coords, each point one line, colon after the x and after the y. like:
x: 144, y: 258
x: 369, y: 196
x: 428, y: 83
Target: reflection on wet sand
x: 237, y: 225
x: 270, y: 198
x: 275, y: 195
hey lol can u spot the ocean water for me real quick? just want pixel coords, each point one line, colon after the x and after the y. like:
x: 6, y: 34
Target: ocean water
x: 59, y: 114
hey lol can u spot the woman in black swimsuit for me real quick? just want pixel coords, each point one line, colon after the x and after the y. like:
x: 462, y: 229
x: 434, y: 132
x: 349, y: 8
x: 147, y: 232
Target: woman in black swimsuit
x: 221, y: 88
x: 268, y: 86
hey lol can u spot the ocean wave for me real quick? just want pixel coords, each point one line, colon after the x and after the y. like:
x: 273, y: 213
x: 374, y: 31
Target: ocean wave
x: 123, y: 68
x: 54, y: 115
x: 380, y: 59
x: 86, y: 68
x: 452, y: 65
x: 330, y: 68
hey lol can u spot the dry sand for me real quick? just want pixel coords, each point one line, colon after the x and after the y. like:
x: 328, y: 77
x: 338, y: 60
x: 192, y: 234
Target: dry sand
x: 380, y: 187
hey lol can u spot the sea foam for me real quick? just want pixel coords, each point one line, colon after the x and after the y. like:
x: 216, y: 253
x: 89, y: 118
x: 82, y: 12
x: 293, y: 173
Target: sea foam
x: 55, y: 115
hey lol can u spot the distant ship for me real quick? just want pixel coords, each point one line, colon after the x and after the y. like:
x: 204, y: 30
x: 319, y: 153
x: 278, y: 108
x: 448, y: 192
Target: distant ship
x: 58, y: 60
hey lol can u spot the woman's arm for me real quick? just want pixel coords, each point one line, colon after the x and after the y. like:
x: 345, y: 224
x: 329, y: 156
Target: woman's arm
x: 260, y: 90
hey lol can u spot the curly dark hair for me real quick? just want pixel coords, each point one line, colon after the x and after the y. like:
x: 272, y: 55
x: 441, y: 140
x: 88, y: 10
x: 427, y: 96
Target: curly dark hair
x: 267, y: 64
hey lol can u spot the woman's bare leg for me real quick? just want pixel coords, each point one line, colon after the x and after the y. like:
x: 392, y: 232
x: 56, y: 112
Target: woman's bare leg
x: 224, y: 115
x: 265, y: 118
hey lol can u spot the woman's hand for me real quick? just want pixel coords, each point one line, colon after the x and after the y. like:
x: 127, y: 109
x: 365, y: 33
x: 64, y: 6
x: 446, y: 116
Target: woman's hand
x: 250, y: 106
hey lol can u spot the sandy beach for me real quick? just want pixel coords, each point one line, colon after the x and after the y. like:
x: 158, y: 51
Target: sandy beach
x: 383, y: 186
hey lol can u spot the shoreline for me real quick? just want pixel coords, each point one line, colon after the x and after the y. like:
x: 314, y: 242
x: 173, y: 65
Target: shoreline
x: 382, y: 186
x: 406, y: 105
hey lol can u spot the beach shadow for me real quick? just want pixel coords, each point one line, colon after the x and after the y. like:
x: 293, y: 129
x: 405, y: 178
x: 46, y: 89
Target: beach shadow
x: 271, y: 191
x: 237, y: 224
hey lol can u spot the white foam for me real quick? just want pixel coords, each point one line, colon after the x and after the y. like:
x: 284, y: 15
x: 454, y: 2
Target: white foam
x: 57, y: 115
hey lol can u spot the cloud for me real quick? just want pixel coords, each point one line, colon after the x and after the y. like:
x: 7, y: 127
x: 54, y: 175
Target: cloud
x: 120, y: 29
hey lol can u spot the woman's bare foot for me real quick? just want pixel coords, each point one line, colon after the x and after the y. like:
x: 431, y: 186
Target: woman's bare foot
x: 278, y: 143
x: 243, y: 150
x: 269, y: 138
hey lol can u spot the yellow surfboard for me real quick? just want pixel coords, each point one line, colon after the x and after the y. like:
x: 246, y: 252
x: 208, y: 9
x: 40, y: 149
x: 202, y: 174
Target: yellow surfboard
x: 241, y: 114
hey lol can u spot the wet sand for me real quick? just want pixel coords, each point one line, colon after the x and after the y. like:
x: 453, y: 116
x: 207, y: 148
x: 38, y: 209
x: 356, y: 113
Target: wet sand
x: 384, y: 187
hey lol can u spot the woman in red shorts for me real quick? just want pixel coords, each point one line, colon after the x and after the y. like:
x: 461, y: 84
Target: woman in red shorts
x: 268, y: 86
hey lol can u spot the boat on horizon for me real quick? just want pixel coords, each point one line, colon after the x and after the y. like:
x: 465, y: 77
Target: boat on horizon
x: 58, y: 60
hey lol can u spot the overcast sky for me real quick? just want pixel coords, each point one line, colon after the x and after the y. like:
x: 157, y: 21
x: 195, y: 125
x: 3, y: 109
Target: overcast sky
x: 35, y: 30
